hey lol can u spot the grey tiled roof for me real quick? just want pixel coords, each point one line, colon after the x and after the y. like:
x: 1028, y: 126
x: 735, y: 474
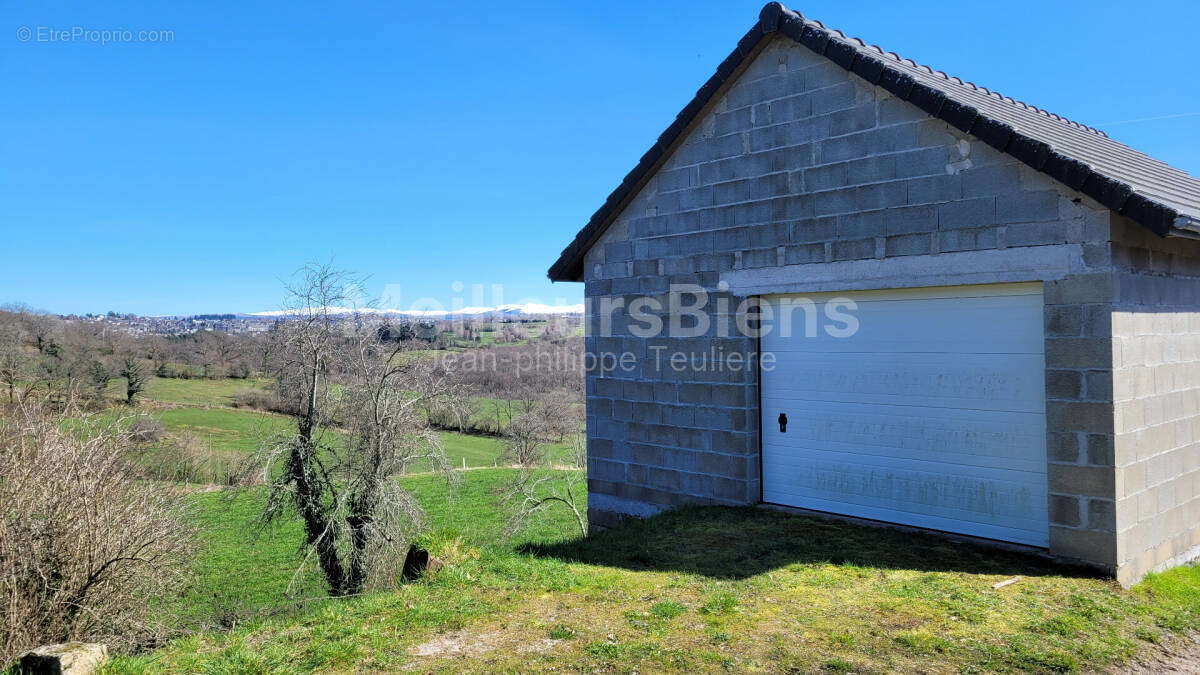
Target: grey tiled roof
x: 1162, y: 198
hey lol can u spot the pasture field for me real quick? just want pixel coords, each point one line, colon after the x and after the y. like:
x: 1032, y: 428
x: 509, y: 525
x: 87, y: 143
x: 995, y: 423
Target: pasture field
x: 702, y: 589
x: 202, y: 408
x: 243, y: 431
x: 193, y: 391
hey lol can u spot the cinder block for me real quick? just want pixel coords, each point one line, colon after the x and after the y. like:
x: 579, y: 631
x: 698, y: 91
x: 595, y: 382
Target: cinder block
x: 1087, y: 481
x: 832, y: 202
x: 1064, y: 384
x: 1089, y: 352
x: 1099, y: 385
x: 908, y: 244
x: 1100, y: 450
x: 1023, y: 207
x: 771, y: 185
x: 860, y: 225
x: 732, y: 121
x: 934, y: 189
x: 827, y: 177
x: 927, y: 162
x: 812, y: 230
x: 911, y: 219
x: 1088, y: 545
x: 836, y: 97
x: 849, y: 120
x: 768, y: 138
x: 968, y: 240
x: 1101, y: 515
x: 1065, y: 510
x: 843, y: 148
x: 1036, y: 234
x: 801, y: 255
x: 967, y: 213
x: 854, y: 250
x: 599, y: 447
x: 605, y: 470
x: 873, y: 169
x: 1064, y: 320
x: 1063, y: 446
x: 988, y: 181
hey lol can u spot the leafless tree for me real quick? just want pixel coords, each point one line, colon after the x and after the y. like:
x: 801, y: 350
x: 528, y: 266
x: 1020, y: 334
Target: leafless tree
x: 42, y: 328
x: 562, y: 414
x: 14, y: 364
x: 525, y: 439
x: 541, y: 486
x: 356, y: 516
x: 156, y: 350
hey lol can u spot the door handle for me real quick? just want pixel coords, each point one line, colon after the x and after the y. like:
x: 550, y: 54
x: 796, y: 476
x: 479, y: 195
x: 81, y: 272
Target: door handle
x: 782, y: 423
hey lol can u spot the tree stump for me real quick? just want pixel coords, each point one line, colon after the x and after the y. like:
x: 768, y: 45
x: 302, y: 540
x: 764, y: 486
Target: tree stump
x: 418, y: 562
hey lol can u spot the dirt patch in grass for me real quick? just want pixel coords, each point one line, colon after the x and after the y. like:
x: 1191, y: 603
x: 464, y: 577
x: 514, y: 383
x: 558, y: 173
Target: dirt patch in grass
x: 1181, y: 655
x: 473, y: 643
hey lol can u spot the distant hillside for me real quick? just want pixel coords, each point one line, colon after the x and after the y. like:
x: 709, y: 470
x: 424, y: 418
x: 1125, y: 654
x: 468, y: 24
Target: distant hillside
x: 513, y: 311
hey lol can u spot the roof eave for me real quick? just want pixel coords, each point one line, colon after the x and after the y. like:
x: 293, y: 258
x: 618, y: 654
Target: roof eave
x: 1185, y: 228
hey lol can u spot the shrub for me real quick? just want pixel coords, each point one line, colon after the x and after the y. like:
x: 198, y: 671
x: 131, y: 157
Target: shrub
x: 261, y: 399
x: 257, y: 399
x: 186, y: 458
x: 86, y: 547
x: 145, y: 429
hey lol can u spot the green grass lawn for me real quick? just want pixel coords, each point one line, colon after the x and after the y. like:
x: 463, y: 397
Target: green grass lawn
x: 478, y: 451
x: 704, y: 589
x: 224, y: 428
x: 242, y: 430
x: 190, y: 392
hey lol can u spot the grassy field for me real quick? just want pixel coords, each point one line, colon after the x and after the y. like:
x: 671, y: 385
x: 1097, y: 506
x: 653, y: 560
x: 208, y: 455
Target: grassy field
x: 239, y: 429
x: 242, y: 430
x: 699, y: 589
x: 189, y: 392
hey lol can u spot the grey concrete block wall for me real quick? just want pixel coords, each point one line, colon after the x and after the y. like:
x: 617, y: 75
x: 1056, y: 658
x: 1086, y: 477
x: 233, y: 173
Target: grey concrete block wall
x: 800, y: 163
x: 1156, y: 388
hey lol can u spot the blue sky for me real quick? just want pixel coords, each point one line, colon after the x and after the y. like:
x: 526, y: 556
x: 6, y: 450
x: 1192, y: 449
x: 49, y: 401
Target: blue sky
x: 422, y: 145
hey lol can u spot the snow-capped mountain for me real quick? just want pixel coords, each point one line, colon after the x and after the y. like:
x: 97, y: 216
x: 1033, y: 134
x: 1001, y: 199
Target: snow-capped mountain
x: 513, y: 310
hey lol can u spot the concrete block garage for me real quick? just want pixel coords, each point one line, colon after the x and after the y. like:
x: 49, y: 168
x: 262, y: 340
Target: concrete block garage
x: 846, y: 282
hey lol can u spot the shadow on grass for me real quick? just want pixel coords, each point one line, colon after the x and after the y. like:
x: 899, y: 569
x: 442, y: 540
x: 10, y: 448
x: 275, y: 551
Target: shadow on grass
x: 738, y: 542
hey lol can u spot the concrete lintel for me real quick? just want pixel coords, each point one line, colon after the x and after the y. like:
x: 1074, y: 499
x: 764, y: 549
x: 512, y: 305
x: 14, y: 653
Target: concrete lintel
x: 1026, y: 263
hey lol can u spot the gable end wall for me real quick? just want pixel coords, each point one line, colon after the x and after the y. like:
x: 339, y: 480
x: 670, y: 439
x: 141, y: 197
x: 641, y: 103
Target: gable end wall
x: 801, y: 163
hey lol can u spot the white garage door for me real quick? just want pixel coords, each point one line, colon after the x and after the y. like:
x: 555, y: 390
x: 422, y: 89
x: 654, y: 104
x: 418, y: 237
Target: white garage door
x: 931, y: 414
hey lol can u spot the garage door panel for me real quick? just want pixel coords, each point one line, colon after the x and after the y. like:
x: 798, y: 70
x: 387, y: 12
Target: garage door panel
x: 974, y: 438
x: 972, y: 381
x: 921, y: 491
x: 956, y: 498
x: 932, y: 414
x: 920, y: 326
